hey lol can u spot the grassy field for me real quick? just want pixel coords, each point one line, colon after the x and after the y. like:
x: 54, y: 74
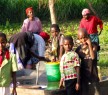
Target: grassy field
x: 103, y: 60
x: 70, y: 28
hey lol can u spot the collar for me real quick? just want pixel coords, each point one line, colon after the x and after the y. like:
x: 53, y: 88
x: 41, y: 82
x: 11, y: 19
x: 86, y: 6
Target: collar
x: 7, y: 56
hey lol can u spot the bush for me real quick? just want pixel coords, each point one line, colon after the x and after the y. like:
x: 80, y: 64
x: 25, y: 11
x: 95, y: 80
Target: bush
x: 14, y: 10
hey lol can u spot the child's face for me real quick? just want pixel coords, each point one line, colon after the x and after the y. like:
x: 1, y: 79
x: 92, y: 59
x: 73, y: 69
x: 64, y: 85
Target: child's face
x: 54, y: 33
x: 2, y: 43
x: 83, y: 38
x: 30, y: 13
x: 67, y: 45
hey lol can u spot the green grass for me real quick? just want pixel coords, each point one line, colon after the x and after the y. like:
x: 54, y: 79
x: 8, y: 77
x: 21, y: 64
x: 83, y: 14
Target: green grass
x: 103, y: 59
x: 103, y: 63
x: 104, y: 71
x: 103, y: 55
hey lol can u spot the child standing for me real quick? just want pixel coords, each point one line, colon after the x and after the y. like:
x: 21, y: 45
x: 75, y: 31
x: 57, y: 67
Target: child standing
x: 87, y: 51
x: 69, y: 67
x: 56, y: 46
x: 8, y: 68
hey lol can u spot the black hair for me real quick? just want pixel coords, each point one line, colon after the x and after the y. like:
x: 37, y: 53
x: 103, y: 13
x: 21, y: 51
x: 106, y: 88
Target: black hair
x: 3, y: 35
x: 56, y: 26
x: 69, y: 38
x: 84, y: 31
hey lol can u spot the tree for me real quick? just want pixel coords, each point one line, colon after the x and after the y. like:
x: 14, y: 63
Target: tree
x: 52, y: 11
x: 91, y: 7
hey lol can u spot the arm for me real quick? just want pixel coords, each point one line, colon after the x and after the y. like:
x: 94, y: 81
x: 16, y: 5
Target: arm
x: 61, y: 52
x: 90, y: 48
x: 39, y: 57
x: 78, y: 74
x: 25, y: 25
x: 23, y: 28
x: 61, y: 84
x: 14, y: 69
x: 95, y: 49
x: 100, y: 23
x: 61, y: 47
x: 77, y: 68
x: 78, y: 77
x: 62, y: 74
x: 14, y: 51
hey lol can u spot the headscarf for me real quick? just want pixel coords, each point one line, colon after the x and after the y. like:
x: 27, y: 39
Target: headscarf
x: 85, y: 11
x: 29, y: 9
x: 44, y: 35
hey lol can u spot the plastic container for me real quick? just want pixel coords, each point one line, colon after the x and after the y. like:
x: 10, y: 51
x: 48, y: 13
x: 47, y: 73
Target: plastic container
x: 52, y: 85
x: 53, y: 71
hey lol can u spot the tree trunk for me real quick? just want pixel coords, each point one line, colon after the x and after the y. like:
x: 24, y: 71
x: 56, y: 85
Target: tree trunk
x: 90, y: 6
x: 52, y: 11
x: 40, y: 3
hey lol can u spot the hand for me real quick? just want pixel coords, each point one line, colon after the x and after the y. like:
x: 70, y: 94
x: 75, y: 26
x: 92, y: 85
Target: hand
x: 14, y: 91
x: 53, y: 59
x: 20, y: 66
x: 77, y: 86
x: 100, y: 32
x: 61, y: 84
x: 88, y: 41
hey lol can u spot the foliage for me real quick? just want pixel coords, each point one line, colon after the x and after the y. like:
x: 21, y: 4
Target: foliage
x: 104, y: 36
x: 103, y: 59
x: 103, y: 54
x: 68, y: 28
x: 14, y: 10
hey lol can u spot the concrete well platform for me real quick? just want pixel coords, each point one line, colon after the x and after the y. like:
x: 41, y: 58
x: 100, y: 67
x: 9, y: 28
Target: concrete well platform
x: 38, y: 90
x: 27, y: 79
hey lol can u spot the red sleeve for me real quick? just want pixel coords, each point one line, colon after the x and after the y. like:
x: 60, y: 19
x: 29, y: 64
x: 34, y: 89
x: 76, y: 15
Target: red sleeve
x: 100, y: 23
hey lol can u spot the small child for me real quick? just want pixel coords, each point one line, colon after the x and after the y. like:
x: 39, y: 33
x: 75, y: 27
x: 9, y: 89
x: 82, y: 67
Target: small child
x: 87, y: 51
x: 69, y: 68
x: 8, y: 68
x: 56, y: 46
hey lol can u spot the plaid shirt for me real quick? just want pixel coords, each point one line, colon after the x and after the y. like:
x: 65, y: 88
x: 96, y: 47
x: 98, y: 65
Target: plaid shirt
x: 68, y: 62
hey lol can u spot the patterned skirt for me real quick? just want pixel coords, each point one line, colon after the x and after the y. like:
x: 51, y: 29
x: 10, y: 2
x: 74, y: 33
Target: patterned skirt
x: 94, y: 38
